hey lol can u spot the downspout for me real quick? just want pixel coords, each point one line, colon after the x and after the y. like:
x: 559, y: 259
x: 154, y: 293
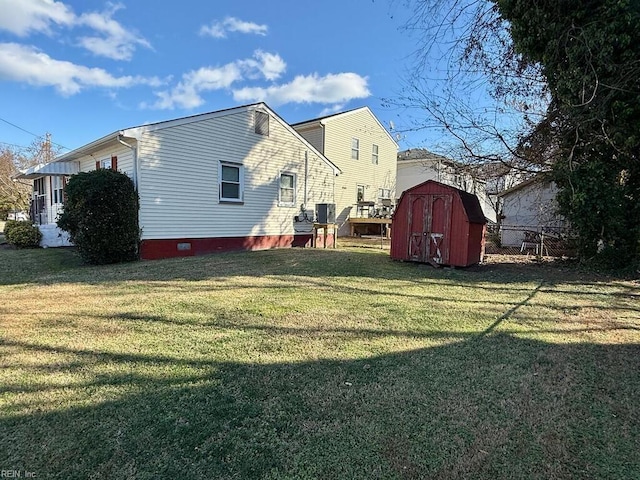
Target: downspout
x: 135, y: 160
x: 306, y: 176
x: 135, y: 184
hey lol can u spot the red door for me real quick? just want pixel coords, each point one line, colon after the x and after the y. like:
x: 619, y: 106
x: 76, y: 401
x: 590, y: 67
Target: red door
x: 439, y: 220
x: 429, y: 228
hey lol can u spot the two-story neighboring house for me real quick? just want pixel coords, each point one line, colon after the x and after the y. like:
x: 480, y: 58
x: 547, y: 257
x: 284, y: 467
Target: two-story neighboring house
x: 357, y: 143
x: 418, y: 165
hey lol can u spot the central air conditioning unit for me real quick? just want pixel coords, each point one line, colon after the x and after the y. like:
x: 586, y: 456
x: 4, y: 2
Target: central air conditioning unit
x: 325, y: 212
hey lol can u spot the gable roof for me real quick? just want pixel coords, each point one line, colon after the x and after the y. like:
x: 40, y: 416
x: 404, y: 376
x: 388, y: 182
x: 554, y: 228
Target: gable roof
x: 137, y: 131
x: 470, y: 202
x: 329, y: 118
x: 541, y: 178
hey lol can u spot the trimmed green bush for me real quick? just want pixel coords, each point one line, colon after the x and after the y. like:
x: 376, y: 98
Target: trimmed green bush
x: 9, y: 224
x: 22, y: 234
x: 101, y: 216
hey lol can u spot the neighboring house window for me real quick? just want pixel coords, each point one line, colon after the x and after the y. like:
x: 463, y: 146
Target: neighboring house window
x: 355, y: 148
x: 374, y: 155
x: 57, y: 186
x: 231, y: 182
x: 106, y: 163
x: 261, y: 120
x: 287, y: 196
x: 384, y: 194
x: 360, y: 193
x: 38, y: 186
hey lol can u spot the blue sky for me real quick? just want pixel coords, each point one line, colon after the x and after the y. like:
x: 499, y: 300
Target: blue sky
x: 83, y: 69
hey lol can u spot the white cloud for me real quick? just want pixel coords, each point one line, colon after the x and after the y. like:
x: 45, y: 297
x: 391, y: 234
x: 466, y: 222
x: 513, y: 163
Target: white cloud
x: 116, y: 41
x: 330, y: 89
x: 338, y: 107
x: 219, y: 29
x: 270, y: 65
x: 187, y: 93
x: 22, y: 17
x: 21, y: 63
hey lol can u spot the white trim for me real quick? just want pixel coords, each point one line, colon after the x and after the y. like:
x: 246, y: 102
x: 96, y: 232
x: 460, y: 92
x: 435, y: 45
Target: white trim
x: 240, y: 182
x: 355, y: 141
x: 294, y: 188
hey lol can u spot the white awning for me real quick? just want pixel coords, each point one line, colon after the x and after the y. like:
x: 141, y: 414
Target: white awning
x: 50, y: 169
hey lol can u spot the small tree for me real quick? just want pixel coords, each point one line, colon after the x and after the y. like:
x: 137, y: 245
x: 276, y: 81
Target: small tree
x: 101, y: 216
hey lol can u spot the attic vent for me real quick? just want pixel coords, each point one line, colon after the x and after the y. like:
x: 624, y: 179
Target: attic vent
x: 262, y: 123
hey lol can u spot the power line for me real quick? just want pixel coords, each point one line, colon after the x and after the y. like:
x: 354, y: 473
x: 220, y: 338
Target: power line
x: 30, y: 133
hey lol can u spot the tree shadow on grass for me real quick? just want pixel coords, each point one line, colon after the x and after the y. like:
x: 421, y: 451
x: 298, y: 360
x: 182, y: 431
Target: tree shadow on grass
x: 492, y: 406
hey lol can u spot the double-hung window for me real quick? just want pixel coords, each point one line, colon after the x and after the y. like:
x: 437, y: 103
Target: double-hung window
x: 57, y: 186
x: 355, y: 148
x: 374, y: 154
x: 287, y: 195
x: 231, y: 182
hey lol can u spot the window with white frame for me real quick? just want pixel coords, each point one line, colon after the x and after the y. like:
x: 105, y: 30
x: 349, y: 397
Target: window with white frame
x: 57, y: 185
x: 231, y: 182
x: 360, y: 193
x: 106, y: 164
x: 261, y: 120
x: 355, y: 148
x: 374, y: 154
x: 287, y: 194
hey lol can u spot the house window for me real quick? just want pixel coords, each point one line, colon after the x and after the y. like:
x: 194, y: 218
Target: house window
x: 287, y: 196
x: 374, y: 155
x: 355, y: 148
x: 57, y: 186
x: 384, y: 194
x: 261, y: 121
x: 38, y: 186
x: 108, y: 163
x: 360, y: 193
x: 231, y: 183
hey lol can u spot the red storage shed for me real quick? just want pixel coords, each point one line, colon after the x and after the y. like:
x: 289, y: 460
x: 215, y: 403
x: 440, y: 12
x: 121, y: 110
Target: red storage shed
x: 438, y: 224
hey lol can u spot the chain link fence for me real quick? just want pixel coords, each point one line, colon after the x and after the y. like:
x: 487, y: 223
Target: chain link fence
x: 542, y: 241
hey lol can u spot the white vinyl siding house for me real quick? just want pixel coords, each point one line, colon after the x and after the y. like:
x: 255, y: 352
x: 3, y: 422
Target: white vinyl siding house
x: 360, y: 177
x: 193, y: 155
x: 216, y: 176
x: 418, y: 165
x: 529, y: 206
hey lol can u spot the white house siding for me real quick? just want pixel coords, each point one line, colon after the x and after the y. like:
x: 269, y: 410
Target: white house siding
x: 116, y: 149
x: 178, y: 168
x: 412, y: 172
x: 531, y: 207
x: 338, y: 133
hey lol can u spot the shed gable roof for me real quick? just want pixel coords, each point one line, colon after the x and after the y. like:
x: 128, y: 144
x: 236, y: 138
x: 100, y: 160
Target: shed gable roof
x: 470, y: 202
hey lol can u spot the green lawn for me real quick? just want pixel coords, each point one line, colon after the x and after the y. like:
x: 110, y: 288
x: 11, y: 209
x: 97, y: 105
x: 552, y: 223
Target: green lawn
x: 315, y: 364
